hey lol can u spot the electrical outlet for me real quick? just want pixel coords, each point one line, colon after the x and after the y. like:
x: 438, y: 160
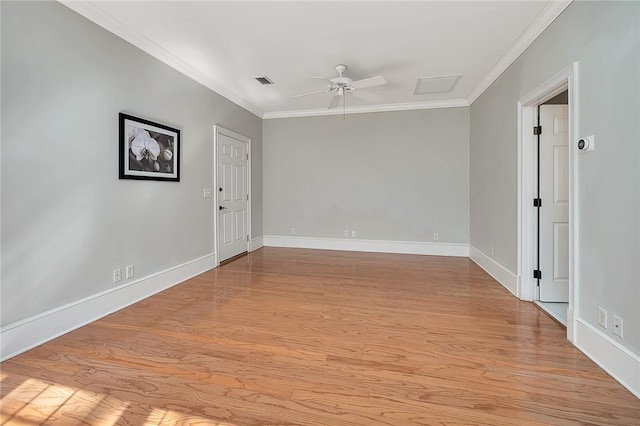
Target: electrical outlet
x: 293, y: 231
x: 207, y: 193
x: 602, y: 317
x: 129, y: 271
x: 617, y: 326
x: 117, y: 275
x: 492, y: 252
x: 436, y: 237
x: 346, y: 233
x: 353, y: 233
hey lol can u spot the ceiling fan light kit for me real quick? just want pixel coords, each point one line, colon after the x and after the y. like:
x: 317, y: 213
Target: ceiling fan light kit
x: 341, y: 86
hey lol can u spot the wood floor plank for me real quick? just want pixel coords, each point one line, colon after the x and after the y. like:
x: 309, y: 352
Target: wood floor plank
x: 308, y: 337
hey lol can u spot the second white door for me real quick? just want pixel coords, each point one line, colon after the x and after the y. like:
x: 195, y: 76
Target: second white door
x: 233, y: 194
x: 554, y: 213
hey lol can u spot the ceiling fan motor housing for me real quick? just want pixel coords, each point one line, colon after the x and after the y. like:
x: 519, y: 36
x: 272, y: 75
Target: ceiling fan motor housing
x: 341, y: 80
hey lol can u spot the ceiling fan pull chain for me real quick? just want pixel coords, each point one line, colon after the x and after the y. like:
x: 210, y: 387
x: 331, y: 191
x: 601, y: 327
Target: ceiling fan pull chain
x: 344, y: 107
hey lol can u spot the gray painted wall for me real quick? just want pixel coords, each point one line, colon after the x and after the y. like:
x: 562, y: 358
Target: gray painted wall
x: 67, y: 221
x: 396, y: 176
x: 604, y: 38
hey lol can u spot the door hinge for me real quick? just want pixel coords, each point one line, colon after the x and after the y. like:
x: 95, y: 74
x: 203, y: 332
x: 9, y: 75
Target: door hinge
x: 537, y: 202
x: 247, y: 197
x: 247, y: 156
x: 537, y: 274
x: 247, y: 238
x: 537, y: 130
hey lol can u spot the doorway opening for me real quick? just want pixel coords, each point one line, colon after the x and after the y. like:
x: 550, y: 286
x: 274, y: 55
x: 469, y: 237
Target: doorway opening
x: 552, y: 207
x: 547, y: 220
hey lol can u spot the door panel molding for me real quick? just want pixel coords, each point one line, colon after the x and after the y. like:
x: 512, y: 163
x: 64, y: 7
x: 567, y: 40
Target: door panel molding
x: 554, y: 214
x: 246, y: 180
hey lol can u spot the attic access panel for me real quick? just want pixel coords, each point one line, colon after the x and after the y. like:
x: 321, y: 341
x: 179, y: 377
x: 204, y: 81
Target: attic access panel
x: 438, y: 84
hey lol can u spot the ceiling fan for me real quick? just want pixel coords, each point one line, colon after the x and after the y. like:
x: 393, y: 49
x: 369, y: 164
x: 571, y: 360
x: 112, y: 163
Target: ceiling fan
x: 341, y: 86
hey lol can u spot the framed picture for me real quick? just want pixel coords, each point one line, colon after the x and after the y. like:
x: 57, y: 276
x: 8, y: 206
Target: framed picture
x: 148, y: 150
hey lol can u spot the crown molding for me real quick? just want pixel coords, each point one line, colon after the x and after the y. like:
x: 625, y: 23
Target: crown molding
x: 450, y: 103
x: 551, y: 11
x: 97, y: 15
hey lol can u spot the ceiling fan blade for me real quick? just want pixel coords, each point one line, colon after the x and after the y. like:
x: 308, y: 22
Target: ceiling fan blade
x: 367, y: 96
x: 369, y: 82
x: 321, y: 78
x: 334, y: 102
x: 311, y: 93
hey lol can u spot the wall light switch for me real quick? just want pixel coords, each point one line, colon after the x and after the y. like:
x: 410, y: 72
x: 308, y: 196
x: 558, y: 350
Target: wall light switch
x: 129, y: 271
x: 117, y: 275
x: 602, y: 317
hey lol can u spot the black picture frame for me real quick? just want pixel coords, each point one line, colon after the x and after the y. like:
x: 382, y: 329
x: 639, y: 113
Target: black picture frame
x: 148, y: 150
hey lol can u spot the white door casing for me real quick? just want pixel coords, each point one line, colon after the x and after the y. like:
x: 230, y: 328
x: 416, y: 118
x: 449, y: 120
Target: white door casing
x: 566, y: 79
x: 554, y: 213
x: 232, y: 186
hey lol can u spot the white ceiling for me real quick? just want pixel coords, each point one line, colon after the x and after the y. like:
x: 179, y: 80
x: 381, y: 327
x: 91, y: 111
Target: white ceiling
x: 225, y: 44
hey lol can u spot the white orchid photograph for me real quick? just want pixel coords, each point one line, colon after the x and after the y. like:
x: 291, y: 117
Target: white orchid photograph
x: 148, y: 150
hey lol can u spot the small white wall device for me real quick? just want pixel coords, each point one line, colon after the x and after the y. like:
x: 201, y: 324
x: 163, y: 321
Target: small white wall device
x: 586, y: 143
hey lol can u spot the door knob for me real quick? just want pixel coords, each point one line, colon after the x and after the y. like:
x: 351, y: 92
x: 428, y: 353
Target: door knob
x: 223, y: 208
x: 220, y: 189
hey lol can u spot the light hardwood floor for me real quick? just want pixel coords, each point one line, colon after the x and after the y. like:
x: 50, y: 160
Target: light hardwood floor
x: 307, y: 337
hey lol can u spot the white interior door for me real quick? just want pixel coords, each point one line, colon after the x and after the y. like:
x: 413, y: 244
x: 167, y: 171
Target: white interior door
x: 233, y: 194
x: 554, y: 213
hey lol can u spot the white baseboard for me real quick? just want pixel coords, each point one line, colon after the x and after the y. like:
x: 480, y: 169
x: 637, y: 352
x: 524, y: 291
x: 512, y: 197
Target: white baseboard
x: 28, y: 333
x: 378, y: 246
x: 618, y: 361
x: 571, y: 321
x: 501, y: 274
x: 256, y: 243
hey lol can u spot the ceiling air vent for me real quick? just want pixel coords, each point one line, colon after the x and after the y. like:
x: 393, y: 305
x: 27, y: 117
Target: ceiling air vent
x: 439, y: 84
x: 264, y: 80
